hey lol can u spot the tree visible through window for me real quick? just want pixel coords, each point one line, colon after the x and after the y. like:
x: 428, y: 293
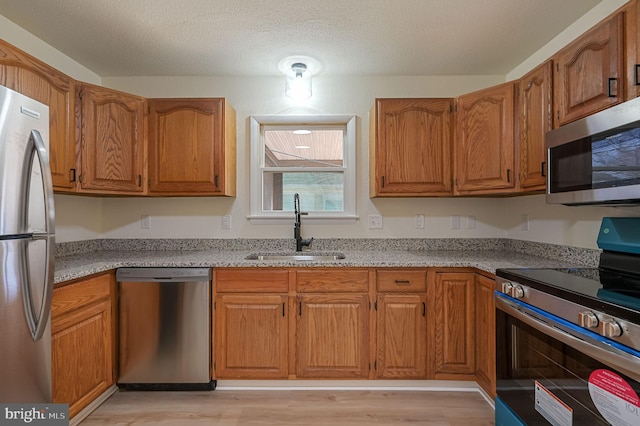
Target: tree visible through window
x: 314, y: 158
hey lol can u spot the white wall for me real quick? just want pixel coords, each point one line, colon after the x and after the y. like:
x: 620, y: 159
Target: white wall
x: 82, y: 218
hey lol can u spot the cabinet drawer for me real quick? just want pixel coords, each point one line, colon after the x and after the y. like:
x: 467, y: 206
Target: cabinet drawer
x: 79, y: 294
x: 400, y: 280
x: 332, y: 280
x: 251, y: 280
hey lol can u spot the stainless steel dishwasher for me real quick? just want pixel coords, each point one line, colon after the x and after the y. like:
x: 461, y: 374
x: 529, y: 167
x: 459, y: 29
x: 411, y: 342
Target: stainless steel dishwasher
x: 165, y: 328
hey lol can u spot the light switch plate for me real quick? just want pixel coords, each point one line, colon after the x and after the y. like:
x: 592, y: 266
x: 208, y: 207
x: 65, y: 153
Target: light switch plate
x: 420, y: 221
x: 375, y: 221
x: 145, y: 221
x: 226, y: 222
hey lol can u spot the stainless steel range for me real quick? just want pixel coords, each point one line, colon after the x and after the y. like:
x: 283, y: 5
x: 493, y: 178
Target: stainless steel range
x: 568, y: 340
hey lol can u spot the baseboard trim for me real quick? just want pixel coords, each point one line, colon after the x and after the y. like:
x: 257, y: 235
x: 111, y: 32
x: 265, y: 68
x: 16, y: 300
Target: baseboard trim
x: 395, y: 385
x: 84, y: 413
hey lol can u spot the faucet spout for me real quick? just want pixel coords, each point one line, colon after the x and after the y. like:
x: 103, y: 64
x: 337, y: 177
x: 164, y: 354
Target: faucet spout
x: 297, y: 235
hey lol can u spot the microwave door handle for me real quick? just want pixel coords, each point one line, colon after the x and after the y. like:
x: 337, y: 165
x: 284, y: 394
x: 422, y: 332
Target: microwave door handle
x: 615, y: 358
x: 37, y: 324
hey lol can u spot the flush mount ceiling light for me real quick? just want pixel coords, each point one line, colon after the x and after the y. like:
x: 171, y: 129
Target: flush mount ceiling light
x: 298, y: 83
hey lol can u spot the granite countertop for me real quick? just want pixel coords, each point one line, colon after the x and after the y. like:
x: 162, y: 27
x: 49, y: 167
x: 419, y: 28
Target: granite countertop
x: 81, y: 265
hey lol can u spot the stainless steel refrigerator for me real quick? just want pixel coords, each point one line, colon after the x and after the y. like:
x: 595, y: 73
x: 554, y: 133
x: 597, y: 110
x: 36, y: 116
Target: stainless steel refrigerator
x: 26, y: 250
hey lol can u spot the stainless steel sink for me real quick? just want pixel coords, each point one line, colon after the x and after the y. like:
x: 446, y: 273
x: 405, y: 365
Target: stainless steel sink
x: 295, y: 256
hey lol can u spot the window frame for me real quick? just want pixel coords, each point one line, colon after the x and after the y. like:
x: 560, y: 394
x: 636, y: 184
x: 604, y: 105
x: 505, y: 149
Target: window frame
x: 257, y: 122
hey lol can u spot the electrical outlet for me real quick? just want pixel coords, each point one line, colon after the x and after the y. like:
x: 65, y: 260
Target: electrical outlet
x: 226, y: 222
x: 524, y: 222
x: 375, y: 221
x: 471, y: 222
x: 145, y: 221
x: 455, y: 222
x: 420, y: 221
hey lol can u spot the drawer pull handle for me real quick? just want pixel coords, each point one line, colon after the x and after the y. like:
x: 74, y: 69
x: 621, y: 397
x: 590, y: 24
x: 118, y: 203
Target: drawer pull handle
x: 403, y: 282
x: 424, y: 309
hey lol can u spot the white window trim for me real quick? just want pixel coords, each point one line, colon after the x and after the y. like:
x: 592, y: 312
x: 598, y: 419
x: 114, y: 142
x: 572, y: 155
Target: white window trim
x: 257, y: 216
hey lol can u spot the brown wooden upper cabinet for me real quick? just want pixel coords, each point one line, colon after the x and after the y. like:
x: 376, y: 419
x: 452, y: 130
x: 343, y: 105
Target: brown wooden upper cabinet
x: 590, y: 71
x: 191, y: 147
x: 410, y: 147
x: 483, y: 147
x: 112, y: 138
x: 632, y: 48
x: 535, y: 119
x: 35, y: 79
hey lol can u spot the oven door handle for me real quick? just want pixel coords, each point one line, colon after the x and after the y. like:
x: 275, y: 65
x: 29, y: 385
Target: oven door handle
x: 617, y: 359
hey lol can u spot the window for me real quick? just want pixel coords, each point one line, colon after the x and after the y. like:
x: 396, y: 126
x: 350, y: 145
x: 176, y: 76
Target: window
x: 313, y: 156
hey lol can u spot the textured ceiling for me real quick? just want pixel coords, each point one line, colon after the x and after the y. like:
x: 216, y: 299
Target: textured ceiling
x: 252, y: 37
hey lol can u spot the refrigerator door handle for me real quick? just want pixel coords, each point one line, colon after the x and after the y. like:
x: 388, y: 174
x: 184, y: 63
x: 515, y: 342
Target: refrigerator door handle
x: 38, y: 324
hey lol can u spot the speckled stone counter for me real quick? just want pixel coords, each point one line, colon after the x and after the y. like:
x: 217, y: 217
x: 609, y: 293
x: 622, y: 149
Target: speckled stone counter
x: 484, y: 254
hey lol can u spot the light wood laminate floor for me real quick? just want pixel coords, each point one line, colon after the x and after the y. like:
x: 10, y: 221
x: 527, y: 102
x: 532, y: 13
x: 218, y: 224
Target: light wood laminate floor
x: 293, y: 407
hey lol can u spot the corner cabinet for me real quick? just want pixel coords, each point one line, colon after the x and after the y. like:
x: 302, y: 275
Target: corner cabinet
x: 83, y: 340
x: 483, y: 147
x: 35, y: 79
x: 535, y: 119
x: 112, y: 132
x: 192, y: 147
x: 410, y: 147
x: 590, y: 72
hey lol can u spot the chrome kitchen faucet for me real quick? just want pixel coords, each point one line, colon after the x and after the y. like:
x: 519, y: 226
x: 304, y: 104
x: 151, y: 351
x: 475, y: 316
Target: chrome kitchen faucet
x: 300, y: 242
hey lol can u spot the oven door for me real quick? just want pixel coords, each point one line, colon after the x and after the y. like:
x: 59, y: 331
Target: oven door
x: 550, y: 371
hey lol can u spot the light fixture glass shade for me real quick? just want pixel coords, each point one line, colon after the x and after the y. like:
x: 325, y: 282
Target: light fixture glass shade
x: 298, y: 83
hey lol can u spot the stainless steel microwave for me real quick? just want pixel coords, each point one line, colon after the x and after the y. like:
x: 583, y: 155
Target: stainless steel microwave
x: 596, y: 160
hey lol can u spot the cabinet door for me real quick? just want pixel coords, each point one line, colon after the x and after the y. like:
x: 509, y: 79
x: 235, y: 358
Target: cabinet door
x: 411, y: 147
x: 112, y: 139
x: 485, y: 325
x: 27, y: 75
x: 535, y: 120
x: 590, y: 71
x: 251, y: 339
x: 82, y: 336
x: 454, y: 330
x: 333, y: 336
x: 632, y: 48
x: 191, y: 147
x: 484, y: 154
x: 402, y: 336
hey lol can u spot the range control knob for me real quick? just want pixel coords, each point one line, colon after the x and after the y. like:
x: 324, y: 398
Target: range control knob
x: 610, y: 328
x: 588, y: 319
x: 506, y: 287
x: 517, y: 291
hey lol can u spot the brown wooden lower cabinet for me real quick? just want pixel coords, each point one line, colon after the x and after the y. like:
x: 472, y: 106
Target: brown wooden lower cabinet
x: 354, y: 323
x: 251, y: 336
x: 454, y: 332
x: 332, y: 339
x: 485, y: 329
x: 82, y: 351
